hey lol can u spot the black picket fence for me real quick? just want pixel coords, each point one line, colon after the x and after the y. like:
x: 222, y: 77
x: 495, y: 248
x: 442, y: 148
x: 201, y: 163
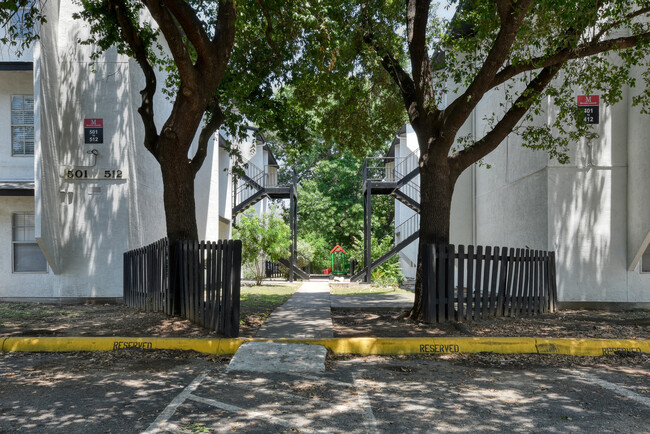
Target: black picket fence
x: 207, y: 275
x: 486, y: 282
x: 273, y: 269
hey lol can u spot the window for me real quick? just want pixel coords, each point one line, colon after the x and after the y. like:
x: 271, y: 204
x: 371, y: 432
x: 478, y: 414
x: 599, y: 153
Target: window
x: 27, y: 256
x: 22, y: 125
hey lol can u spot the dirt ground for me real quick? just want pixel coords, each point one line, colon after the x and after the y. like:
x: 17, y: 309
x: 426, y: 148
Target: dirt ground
x: 564, y: 324
x: 101, y: 320
x: 119, y: 320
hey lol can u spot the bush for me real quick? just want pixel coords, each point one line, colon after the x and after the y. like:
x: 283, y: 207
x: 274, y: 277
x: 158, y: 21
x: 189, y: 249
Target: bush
x: 265, y: 238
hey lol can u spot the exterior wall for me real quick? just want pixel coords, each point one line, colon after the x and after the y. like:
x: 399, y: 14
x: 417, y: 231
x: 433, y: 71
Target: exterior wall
x: 206, y: 195
x: 225, y: 192
x: 581, y: 210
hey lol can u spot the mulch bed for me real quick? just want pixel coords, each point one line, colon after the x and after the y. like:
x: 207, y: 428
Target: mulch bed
x: 574, y: 324
x: 119, y: 320
x: 107, y: 320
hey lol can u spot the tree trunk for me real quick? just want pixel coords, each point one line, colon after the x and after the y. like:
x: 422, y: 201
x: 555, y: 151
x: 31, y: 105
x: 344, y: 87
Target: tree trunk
x: 180, y: 214
x: 180, y: 208
x: 436, y: 190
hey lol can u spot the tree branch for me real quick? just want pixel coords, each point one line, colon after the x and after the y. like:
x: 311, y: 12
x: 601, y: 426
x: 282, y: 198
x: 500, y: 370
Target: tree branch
x: 192, y: 26
x: 565, y: 55
x: 118, y: 10
x: 463, y: 159
x: 269, y: 25
x: 174, y: 37
x: 224, y: 35
x: 401, y: 78
x: 610, y: 26
x: 459, y: 110
x: 207, y: 131
x: 417, y: 16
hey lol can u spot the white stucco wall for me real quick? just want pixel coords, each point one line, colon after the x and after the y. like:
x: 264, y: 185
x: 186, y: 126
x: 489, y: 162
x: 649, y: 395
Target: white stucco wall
x: 580, y: 210
x: 206, y: 195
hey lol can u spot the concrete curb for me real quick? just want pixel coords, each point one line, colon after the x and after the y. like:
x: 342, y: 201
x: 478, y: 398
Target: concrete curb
x: 359, y: 346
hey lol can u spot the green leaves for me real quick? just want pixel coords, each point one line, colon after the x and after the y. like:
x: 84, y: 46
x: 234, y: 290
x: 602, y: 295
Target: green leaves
x: 21, y: 21
x: 263, y: 238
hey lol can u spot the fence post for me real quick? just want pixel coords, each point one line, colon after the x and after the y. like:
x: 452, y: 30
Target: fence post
x: 236, y: 285
x: 553, y: 283
x: 449, y: 288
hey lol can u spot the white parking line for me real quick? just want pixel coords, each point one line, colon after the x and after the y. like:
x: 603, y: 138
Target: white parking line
x: 366, y: 408
x: 613, y: 387
x: 162, y: 421
x: 235, y: 409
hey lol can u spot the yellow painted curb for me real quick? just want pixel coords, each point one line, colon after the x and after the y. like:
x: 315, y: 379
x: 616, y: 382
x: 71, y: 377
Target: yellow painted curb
x: 360, y: 346
x: 388, y: 346
x: 591, y: 347
x: 51, y: 344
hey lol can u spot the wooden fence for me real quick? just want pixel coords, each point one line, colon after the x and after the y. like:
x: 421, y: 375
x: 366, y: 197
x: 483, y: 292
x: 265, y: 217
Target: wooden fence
x: 206, y: 275
x: 273, y: 269
x: 485, y: 282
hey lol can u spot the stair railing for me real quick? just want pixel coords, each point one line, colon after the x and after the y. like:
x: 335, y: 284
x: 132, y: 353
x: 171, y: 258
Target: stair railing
x: 407, y: 164
x: 381, y: 168
x: 408, y: 227
x: 248, y: 185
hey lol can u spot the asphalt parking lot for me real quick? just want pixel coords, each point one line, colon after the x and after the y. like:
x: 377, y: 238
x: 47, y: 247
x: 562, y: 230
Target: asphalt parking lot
x: 171, y: 392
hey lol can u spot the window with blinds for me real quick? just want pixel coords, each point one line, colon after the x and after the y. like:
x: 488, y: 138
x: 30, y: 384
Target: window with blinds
x: 27, y: 255
x: 22, y: 125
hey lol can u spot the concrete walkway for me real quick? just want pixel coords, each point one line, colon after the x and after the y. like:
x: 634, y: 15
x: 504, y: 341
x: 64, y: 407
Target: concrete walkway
x: 374, y: 302
x: 305, y: 315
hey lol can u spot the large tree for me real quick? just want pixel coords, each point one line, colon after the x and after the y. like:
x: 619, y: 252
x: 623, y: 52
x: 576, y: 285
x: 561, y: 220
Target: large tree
x: 213, y: 60
x: 524, y: 50
x: 516, y: 54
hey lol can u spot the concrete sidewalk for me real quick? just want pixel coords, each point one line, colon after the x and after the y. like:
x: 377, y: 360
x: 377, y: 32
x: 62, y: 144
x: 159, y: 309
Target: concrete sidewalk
x: 373, y: 302
x: 305, y: 315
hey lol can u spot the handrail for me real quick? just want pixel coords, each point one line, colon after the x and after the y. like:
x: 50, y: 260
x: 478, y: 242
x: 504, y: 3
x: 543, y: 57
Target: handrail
x: 409, y: 226
x: 408, y: 164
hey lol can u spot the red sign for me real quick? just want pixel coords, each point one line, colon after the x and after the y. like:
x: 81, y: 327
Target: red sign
x: 93, y: 123
x: 588, y: 100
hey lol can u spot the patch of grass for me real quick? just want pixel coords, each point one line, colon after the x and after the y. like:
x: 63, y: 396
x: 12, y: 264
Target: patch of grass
x: 20, y: 311
x: 195, y: 428
x: 262, y: 300
x: 368, y: 289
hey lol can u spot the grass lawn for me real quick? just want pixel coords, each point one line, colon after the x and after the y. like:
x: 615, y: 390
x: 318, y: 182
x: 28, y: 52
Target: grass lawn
x: 368, y: 289
x: 19, y: 311
x: 257, y: 302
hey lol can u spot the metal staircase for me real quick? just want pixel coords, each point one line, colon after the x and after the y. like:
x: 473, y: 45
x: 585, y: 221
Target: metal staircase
x: 411, y: 228
x: 398, y: 177
x: 256, y: 184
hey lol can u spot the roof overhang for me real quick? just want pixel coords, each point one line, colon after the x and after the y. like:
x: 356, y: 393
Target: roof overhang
x: 16, y: 188
x: 16, y: 66
x: 272, y: 161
